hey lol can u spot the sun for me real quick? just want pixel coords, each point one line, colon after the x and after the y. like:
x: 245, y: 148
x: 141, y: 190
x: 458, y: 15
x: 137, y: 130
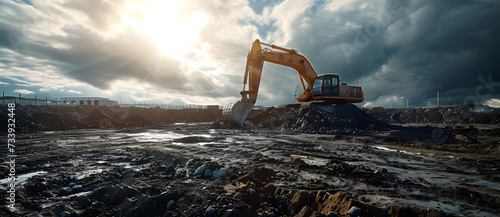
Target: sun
x: 174, y: 34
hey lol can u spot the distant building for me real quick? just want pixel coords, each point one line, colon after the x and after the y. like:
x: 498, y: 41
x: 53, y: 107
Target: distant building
x: 213, y: 107
x: 86, y: 101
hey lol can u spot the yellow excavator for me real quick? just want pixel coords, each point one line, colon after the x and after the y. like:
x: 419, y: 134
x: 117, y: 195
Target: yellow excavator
x: 325, y: 87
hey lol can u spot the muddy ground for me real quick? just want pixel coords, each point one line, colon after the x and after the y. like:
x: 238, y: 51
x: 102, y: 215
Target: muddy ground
x: 300, y: 160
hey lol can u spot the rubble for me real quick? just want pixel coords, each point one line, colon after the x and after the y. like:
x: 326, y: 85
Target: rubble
x: 462, y: 114
x: 309, y: 160
x: 318, y: 117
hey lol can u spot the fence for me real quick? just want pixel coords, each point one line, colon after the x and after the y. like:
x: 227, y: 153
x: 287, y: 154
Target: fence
x: 169, y: 106
x: 28, y: 101
x: 55, y: 102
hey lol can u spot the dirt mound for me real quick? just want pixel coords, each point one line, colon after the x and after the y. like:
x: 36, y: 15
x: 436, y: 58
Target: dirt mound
x: 97, y: 118
x: 318, y: 117
x: 49, y: 118
x: 137, y: 120
x: 462, y: 114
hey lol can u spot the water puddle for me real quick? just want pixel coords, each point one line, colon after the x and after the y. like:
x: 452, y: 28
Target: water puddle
x: 21, y: 178
x: 316, y: 161
x: 87, y: 173
x: 162, y: 136
x: 393, y: 150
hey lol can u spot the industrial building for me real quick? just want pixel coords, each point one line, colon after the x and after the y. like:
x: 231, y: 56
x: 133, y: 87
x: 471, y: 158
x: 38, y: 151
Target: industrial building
x: 87, y: 101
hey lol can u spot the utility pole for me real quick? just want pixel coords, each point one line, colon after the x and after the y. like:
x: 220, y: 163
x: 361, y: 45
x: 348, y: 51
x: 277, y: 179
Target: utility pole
x: 438, y: 99
x: 407, y: 102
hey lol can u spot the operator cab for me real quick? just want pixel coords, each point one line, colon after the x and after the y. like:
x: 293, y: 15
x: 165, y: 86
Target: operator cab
x: 326, y: 85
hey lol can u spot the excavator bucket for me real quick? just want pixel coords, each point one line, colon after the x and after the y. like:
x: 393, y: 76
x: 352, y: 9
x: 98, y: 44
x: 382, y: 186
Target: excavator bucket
x: 237, y: 112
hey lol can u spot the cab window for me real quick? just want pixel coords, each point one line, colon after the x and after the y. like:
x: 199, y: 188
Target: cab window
x: 328, y: 82
x: 317, y: 83
x: 317, y: 86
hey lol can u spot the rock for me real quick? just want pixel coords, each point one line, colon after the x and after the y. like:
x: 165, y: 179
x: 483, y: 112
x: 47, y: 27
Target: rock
x: 65, y: 191
x: 238, y: 196
x: 252, y: 191
x: 65, y: 214
x: 76, y: 188
x: 219, y: 173
x: 170, y: 205
x: 83, y: 201
x: 64, y: 210
x: 354, y: 211
x: 190, y: 162
x: 207, y: 174
x: 227, y: 213
x: 210, y: 211
x: 222, y: 125
x: 448, y: 189
x: 54, y: 180
x: 112, y: 195
x: 144, y: 204
x: 201, y: 170
x: 305, y: 211
x: 292, y: 178
x: 230, y: 206
x: 332, y: 214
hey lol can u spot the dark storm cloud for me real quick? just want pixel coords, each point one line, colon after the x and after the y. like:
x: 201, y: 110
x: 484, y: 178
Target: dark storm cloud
x: 427, y: 46
x: 395, y: 48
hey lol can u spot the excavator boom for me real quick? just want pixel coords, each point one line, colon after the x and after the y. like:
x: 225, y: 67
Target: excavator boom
x: 325, y: 87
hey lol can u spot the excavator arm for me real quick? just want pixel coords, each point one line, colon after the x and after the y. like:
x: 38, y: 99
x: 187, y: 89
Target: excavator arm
x: 278, y: 55
x: 258, y: 54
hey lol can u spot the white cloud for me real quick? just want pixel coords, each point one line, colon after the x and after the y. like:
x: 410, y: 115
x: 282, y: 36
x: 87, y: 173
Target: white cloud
x: 23, y: 91
x: 75, y: 91
x: 493, y: 103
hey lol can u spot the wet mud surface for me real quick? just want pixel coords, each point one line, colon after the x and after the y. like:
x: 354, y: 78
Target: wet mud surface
x: 192, y: 170
x: 298, y: 160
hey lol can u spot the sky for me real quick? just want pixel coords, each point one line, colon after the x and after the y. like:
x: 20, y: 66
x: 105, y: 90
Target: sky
x: 194, y: 51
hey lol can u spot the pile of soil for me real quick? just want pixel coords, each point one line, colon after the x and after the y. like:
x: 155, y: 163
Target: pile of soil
x: 318, y: 117
x: 462, y: 114
x: 50, y: 118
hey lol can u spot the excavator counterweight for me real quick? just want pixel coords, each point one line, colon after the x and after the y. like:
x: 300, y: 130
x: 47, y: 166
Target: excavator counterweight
x: 325, y: 87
